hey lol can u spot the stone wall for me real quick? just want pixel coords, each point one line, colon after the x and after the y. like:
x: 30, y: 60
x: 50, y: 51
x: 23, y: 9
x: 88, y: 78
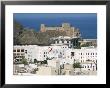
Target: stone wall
x: 66, y: 27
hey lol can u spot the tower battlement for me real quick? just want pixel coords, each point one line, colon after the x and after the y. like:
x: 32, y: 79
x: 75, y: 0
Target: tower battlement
x: 66, y: 27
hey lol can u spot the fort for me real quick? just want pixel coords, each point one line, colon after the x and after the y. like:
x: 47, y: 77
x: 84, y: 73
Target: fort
x: 65, y: 27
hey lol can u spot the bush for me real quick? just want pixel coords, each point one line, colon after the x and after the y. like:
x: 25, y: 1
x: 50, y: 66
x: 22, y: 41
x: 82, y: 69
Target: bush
x: 24, y: 61
x: 77, y: 65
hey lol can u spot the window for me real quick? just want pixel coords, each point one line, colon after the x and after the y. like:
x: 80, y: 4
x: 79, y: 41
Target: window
x: 25, y: 51
x: 88, y: 53
x: 22, y: 54
x: 55, y: 71
x: 96, y: 61
x: 22, y: 50
x: 62, y: 41
x: 18, y: 50
x: 88, y: 66
x: 14, y: 54
x: 67, y: 41
x: 14, y: 50
x: 81, y: 53
x: 18, y: 54
x: 72, y: 53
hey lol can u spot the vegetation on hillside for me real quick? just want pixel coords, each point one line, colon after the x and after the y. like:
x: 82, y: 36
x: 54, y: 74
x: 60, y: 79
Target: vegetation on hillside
x: 25, y: 36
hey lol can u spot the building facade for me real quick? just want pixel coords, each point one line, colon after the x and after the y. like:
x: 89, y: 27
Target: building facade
x: 24, y: 51
x: 88, y: 42
x: 62, y: 53
x: 66, y: 40
x: 66, y: 27
x: 39, y: 53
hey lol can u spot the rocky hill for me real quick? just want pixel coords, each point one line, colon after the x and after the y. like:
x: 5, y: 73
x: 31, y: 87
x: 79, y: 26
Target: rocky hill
x: 24, y: 36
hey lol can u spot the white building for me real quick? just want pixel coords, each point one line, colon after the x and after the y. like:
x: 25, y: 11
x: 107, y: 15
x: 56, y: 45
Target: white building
x: 87, y: 56
x: 40, y: 53
x: 89, y: 66
x: 81, y: 55
x: 61, y: 53
x: 66, y: 40
x: 90, y: 42
x: 51, y: 52
x: 25, y: 51
x: 54, y: 63
x: 43, y: 70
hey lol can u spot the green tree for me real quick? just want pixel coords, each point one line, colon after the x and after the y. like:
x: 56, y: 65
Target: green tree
x: 77, y: 65
x: 45, y: 61
x: 34, y: 70
x: 24, y: 61
x: 47, y: 58
x: 86, y: 44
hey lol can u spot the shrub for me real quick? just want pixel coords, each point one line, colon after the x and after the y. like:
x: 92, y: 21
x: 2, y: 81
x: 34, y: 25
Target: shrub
x: 77, y: 65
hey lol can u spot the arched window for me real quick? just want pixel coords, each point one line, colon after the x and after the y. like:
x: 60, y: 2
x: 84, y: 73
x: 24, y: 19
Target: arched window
x: 88, y: 66
x: 67, y: 41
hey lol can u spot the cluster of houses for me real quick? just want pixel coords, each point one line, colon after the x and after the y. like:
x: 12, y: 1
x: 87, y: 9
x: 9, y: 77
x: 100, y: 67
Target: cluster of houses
x: 57, y: 59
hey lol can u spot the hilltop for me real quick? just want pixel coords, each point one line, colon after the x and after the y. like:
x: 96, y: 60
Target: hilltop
x: 24, y: 36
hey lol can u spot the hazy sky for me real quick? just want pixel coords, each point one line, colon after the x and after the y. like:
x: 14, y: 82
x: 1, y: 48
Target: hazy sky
x: 86, y: 22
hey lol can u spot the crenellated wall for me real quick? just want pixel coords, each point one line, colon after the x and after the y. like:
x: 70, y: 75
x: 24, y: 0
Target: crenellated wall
x: 70, y: 31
